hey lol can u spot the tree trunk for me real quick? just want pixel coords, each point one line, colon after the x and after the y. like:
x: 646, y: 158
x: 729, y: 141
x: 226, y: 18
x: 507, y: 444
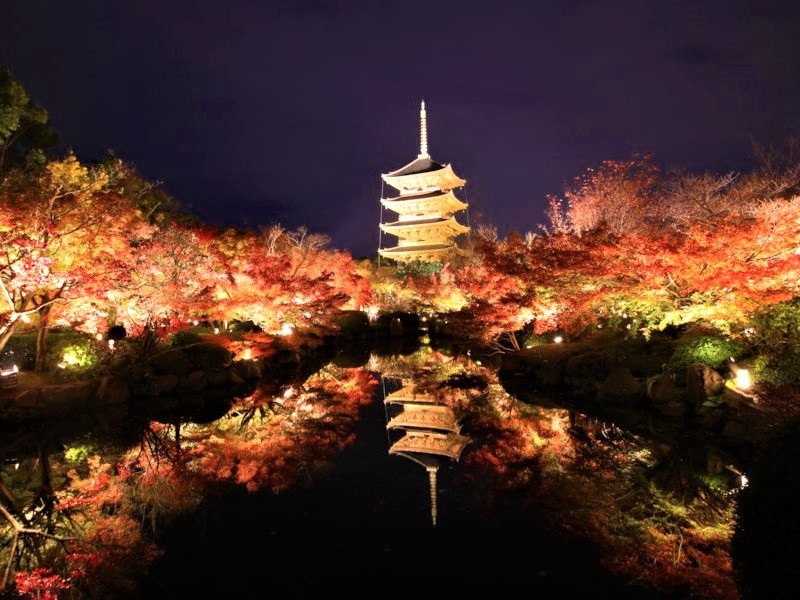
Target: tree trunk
x: 6, y: 333
x: 41, y: 338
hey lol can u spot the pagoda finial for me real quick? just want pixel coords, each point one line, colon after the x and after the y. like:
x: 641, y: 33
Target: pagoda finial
x: 423, y: 132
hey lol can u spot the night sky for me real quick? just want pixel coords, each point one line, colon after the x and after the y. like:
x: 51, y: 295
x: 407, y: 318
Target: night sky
x: 262, y: 112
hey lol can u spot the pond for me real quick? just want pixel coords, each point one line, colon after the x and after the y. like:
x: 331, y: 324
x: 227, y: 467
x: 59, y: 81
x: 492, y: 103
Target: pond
x: 397, y: 474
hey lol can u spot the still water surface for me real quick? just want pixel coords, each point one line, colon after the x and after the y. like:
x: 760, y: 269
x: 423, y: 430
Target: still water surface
x: 357, y: 516
x: 364, y: 525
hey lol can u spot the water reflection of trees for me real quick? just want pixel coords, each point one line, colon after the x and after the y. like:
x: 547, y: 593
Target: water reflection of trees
x: 595, y: 480
x: 88, y: 517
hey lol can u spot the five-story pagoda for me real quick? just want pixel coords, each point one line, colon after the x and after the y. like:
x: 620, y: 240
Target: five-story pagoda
x: 426, y: 227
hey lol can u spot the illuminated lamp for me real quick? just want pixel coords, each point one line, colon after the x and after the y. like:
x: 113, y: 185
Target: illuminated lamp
x: 558, y: 339
x: 743, y: 379
x: 9, y: 377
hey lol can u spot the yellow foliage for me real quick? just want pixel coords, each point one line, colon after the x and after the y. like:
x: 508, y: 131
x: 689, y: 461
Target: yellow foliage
x: 69, y: 176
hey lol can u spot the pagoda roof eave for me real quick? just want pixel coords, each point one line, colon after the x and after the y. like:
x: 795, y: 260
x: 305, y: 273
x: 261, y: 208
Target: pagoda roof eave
x: 428, y: 224
x: 423, y: 252
x: 421, y: 164
x: 447, y: 200
x: 443, y: 178
x: 450, y: 445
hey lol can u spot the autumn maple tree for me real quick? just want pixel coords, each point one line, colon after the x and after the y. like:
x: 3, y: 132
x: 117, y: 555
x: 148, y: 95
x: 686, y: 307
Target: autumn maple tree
x: 64, y: 234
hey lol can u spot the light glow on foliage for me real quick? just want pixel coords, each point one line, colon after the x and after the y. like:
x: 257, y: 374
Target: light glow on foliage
x: 286, y: 329
x: 70, y: 358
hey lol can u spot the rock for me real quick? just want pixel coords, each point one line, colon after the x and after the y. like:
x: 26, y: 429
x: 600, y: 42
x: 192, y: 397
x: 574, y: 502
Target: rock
x: 664, y: 390
x: 620, y: 387
x: 702, y: 382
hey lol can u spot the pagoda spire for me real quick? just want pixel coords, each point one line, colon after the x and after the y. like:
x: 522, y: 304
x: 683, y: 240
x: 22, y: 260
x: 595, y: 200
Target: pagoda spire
x: 423, y: 131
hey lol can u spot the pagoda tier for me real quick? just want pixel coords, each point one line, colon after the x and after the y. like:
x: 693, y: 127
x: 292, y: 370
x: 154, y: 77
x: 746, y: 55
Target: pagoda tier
x: 426, y: 228
x: 430, y: 442
x: 442, y: 203
x: 440, y: 253
x: 425, y: 231
x: 408, y: 394
x: 420, y: 416
x: 423, y: 174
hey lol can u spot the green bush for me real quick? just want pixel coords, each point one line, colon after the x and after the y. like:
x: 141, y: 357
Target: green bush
x: 778, y: 369
x: 775, y: 335
x: 74, y: 354
x: 777, y: 326
x: 708, y: 350
x: 417, y: 268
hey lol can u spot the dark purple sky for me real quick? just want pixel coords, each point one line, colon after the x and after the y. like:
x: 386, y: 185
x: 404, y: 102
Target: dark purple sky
x: 277, y: 111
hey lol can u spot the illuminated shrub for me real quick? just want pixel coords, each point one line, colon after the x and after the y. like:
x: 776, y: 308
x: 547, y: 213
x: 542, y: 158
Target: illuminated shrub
x: 708, y: 350
x: 776, y: 328
x: 636, y: 317
x: 778, y: 369
x: 73, y: 355
x: 418, y: 268
x: 775, y: 335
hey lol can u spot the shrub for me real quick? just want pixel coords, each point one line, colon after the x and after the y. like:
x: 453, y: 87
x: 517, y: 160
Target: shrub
x: 74, y: 354
x: 778, y: 369
x: 708, y: 350
x: 777, y: 326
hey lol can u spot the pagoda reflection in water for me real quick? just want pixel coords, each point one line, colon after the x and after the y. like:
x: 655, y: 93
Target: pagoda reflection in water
x: 422, y: 429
